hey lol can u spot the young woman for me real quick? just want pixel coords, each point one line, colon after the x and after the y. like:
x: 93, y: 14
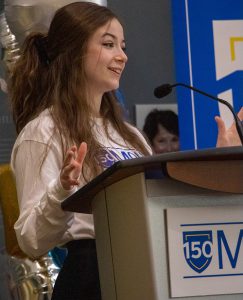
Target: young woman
x: 63, y: 102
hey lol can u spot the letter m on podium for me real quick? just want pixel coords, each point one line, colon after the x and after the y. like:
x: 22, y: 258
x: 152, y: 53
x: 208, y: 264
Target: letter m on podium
x: 222, y: 241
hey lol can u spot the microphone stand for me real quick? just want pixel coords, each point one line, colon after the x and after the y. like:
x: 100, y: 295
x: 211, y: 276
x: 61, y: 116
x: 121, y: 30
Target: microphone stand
x: 238, y: 123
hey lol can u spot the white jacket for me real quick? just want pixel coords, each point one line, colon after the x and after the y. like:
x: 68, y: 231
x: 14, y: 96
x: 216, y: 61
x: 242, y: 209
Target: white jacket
x: 42, y: 223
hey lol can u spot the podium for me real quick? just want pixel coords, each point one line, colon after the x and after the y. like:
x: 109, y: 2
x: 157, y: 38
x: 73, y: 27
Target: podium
x: 134, y: 228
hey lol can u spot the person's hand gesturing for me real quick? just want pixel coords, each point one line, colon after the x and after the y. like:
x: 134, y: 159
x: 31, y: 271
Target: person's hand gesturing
x: 72, y: 166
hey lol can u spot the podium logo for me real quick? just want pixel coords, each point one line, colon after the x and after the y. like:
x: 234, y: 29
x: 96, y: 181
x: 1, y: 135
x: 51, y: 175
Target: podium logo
x: 226, y: 253
x: 198, y: 249
x: 228, y: 47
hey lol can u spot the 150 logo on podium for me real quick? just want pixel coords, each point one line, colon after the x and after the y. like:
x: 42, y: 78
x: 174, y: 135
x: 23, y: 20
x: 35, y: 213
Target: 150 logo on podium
x: 199, y: 249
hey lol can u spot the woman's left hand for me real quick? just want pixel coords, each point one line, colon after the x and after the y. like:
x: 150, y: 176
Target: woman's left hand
x: 72, y: 166
x: 228, y: 137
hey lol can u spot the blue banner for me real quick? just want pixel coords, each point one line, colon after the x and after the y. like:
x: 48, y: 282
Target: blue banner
x: 208, y: 43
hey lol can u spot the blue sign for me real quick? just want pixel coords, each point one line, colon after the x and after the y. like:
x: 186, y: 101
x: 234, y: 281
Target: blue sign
x: 208, y: 42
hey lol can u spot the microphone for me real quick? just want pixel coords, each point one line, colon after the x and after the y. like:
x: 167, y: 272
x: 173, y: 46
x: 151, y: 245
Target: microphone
x: 165, y: 89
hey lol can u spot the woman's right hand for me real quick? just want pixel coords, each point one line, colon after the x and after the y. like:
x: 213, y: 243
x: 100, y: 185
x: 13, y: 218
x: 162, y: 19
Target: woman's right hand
x: 72, y: 166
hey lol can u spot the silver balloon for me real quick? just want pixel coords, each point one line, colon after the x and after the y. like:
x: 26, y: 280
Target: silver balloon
x: 9, y: 45
x: 32, y: 279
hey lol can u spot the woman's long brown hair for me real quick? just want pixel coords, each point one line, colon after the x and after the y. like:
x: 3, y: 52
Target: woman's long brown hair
x: 50, y: 74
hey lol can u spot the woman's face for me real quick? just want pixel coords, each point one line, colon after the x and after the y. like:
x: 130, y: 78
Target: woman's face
x: 164, y: 141
x: 105, y: 58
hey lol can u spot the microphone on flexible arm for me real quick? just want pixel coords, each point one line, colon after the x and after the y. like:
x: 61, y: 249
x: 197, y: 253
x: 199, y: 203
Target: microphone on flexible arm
x: 165, y: 89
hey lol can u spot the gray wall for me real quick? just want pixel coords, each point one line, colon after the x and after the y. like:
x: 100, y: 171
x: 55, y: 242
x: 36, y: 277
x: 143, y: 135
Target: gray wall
x: 148, y: 35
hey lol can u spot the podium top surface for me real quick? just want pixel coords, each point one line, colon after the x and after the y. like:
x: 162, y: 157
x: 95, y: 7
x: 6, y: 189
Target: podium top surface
x: 80, y: 201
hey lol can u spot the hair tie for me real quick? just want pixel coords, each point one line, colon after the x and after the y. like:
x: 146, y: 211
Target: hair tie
x: 40, y: 44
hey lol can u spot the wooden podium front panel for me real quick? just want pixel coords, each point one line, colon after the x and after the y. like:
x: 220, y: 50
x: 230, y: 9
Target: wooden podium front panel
x: 224, y: 176
x: 131, y: 237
